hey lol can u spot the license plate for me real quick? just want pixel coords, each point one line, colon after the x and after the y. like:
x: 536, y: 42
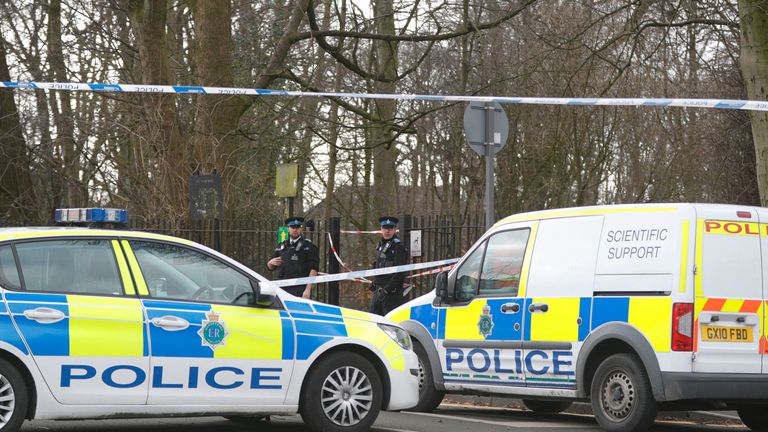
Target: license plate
x: 726, y: 334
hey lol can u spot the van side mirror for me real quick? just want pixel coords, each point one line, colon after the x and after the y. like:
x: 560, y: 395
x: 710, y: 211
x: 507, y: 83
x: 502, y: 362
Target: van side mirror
x: 441, y: 286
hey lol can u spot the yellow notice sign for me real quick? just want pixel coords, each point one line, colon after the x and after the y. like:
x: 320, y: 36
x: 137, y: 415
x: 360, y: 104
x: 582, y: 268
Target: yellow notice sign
x: 286, y: 180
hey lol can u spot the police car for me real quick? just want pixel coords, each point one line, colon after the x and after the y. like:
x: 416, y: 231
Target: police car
x: 635, y: 307
x: 99, y: 323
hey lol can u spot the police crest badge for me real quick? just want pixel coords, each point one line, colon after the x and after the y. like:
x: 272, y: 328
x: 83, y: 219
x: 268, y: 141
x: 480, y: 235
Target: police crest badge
x: 485, y: 325
x: 213, y: 332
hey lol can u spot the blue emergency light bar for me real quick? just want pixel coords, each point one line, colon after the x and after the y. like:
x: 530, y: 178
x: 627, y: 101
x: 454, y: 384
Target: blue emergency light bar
x: 91, y: 215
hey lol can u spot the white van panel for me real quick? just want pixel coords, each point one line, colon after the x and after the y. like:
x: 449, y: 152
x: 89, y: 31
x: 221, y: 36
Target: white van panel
x: 564, y: 255
x: 731, y: 267
x: 640, y: 243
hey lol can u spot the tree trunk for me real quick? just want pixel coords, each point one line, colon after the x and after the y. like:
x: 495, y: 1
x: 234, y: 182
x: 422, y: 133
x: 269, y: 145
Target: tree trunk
x: 217, y: 116
x: 754, y: 69
x: 162, y: 129
x: 16, y: 193
x: 333, y: 121
x: 63, y: 118
x: 385, y: 176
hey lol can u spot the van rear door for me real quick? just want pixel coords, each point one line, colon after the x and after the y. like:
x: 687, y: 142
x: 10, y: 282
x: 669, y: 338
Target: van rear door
x: 729, y: 294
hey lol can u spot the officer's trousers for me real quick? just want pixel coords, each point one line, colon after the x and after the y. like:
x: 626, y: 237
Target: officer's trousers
x: 382, y: 305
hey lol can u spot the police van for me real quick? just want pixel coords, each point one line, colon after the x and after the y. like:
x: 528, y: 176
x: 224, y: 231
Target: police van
x: 634, y: 307
x: 98, y: 323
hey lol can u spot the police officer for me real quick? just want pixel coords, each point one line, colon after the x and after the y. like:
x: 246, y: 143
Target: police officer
x: 295, y: 257
x: 388, y: 289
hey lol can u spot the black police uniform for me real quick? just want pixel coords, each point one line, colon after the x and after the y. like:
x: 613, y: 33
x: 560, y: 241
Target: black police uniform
x: 299, y: 259
x: 388, y: 289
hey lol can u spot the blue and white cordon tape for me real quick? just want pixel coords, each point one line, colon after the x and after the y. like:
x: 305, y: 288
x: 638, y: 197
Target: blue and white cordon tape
x: 363, y: 273
x: 747, y: 105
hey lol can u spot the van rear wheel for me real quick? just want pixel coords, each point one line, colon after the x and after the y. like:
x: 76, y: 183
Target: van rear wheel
x: 753, y: 417
x: 545, y: 406
x: 622, y: 399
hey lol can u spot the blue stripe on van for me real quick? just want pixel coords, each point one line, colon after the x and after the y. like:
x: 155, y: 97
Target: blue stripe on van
x: 328, y: 310
x: 295, y: 306
x: 608, y: 309
x: 426, y: 315
x: 585, y: 306
x: 35, y: 297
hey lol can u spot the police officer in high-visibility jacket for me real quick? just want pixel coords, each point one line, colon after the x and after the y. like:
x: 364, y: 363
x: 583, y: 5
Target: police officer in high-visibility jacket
x: 388, y: 289
x: 296, y: 257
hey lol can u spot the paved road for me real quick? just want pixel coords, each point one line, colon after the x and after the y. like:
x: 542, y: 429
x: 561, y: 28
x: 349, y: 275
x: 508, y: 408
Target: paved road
x: 448, y: 418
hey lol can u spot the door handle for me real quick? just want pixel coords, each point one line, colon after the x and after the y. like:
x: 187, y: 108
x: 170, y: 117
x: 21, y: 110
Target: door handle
x: 44, y: 315
x: 170, y: 323
x: 510, y: 308
x: 538, y: 307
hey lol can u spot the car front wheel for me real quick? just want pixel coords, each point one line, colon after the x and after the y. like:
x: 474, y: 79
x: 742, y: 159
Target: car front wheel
x: 342, y: 394
x: 429, y: 396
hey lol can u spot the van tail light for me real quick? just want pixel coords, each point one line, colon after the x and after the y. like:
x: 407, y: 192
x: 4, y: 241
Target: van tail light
x: 682, y: 327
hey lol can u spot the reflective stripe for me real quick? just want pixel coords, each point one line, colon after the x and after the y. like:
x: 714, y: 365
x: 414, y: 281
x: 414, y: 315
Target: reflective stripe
x: 91, y: 233
x: 401, y: 315
x: 125, y: 274
x: 135, y: 269
x: 699, y: 260
x: 558, y: 214
x: 359, y: 327
x: 105, y: 327
x: 461, y: 322
x: 527, y: 260
x: 684, y: 258
x: 253, y: 333
x: 653, y: 317
x: 559, y: 323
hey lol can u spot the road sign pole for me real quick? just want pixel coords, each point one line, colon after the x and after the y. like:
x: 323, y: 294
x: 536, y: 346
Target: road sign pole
x: 486, y: 128
x: 489, y: 142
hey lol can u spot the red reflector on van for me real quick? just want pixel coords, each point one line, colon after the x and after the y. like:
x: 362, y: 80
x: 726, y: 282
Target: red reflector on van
x: 682, y: 327
x: 744, y: 214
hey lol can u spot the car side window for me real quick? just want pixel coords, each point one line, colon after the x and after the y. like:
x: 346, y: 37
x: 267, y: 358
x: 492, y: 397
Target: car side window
x: 177, y: 273
x: 503, y: 263
x: 468, y: 276
x: 78, y: 266
x: 9, y: 274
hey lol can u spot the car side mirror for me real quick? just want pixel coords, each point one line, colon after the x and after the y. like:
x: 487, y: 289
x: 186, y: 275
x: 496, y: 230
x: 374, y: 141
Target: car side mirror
x: 259, y: 297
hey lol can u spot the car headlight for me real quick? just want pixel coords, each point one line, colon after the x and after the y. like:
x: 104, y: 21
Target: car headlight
x: 398, y: 335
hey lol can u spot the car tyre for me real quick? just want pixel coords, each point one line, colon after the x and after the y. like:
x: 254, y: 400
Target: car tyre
x: 545, y: 406
x: 14, y: 398
x: 753, y: 417
x: 343, y: 393
x: 622, y: 399
x: 429, y: 397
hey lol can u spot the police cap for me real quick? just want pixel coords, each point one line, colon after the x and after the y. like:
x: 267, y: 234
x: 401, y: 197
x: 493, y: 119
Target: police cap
x: 388, y: 221
x: 294, y: 221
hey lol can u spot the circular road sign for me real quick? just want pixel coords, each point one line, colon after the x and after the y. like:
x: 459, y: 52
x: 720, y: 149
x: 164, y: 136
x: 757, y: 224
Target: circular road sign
x: 475, y: 126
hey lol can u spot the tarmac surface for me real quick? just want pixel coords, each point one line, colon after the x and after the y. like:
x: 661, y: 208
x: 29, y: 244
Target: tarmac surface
x: 452, y: 416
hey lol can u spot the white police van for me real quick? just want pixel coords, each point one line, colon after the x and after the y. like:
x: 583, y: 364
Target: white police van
x: 634, y: 307
x: 106, y: 323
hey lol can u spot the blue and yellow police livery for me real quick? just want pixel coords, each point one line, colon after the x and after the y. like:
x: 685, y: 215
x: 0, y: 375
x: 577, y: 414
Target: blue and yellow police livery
x: 631, y: 306
x: 102, y: 323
